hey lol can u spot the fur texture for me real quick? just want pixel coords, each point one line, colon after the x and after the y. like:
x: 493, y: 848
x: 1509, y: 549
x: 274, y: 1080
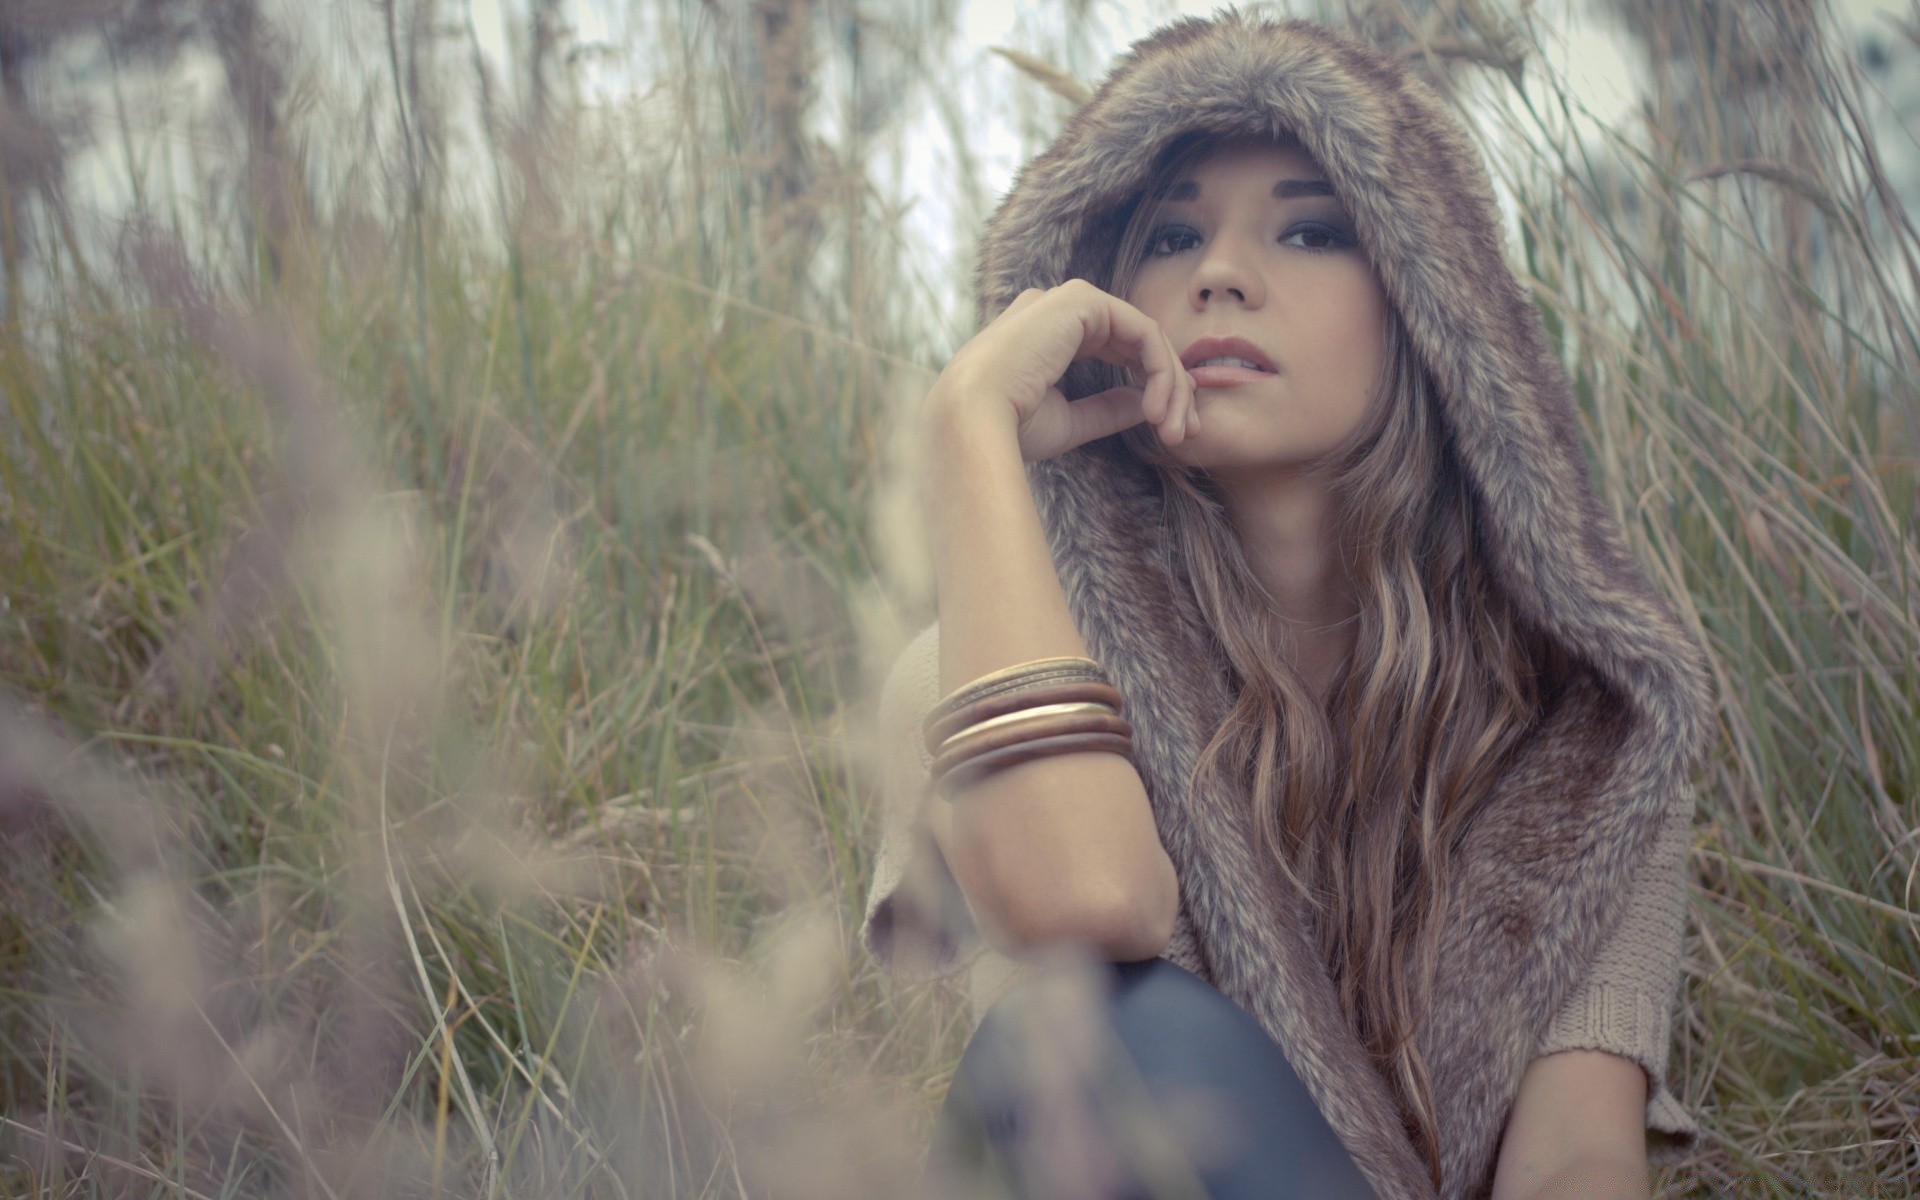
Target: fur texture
x: 1547, y: 864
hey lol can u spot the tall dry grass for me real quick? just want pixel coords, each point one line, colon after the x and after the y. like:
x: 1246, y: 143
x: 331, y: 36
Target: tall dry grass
x: 1734, y: 282
x: 440, y: 604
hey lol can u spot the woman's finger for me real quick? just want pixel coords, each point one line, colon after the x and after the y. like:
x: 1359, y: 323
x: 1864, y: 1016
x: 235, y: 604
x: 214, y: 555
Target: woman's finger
x: 1178, y: 374
x: 1114, y: 331
x: 1165, y: 365
x: 1105, y: 413
x: 1175, y: 418
x: 1192, y: 392
x: 1134, y: 339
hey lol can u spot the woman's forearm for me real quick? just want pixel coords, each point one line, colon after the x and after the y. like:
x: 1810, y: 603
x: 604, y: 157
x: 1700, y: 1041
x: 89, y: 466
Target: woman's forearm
x: 1058, y: 846
x: 1596, y: 1179
x: 1000, y: 596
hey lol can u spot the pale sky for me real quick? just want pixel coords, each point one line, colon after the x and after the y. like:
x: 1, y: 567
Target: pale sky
x: 1596, y: 62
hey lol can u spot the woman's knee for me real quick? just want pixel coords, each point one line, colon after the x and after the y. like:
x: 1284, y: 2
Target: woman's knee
x: 1152, y: 996
x: 1069, y: 1020
x: 1057, y: 1032
x: 1183, y: 1034
x: 1159, y: 987
x: 1051, y: 1016
x: 1159, y: 1006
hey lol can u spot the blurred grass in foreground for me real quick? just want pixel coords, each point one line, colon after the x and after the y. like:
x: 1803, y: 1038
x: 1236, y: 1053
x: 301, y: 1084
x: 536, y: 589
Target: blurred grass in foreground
x: 444, y: 650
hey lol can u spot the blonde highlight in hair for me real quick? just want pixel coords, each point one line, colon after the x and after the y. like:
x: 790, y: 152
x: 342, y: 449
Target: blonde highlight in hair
x: 1361, y: 801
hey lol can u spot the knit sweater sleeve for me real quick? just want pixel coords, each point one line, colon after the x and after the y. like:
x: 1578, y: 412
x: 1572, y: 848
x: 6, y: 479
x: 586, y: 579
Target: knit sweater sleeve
x: 1626, y: 1004
x: 917, y: 926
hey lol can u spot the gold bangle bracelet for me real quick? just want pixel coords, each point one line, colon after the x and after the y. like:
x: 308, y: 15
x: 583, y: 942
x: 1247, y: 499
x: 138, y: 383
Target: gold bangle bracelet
x: 1017, y: 676
x: 1033, y: 729
x: 981, y: 730
x: 1006, y: 756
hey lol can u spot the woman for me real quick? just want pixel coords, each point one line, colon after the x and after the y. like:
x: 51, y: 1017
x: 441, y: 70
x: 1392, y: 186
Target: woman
x: 1327, y: 707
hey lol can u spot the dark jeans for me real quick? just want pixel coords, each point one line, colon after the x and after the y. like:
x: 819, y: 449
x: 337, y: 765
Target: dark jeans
x: 1042, y: 1107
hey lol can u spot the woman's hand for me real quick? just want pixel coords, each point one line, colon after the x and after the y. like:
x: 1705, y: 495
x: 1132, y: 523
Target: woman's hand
x: 1011, y: 368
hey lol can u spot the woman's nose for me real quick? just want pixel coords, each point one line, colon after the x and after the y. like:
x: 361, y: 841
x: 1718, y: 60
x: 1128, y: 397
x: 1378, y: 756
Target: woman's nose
x: 1225, y: 272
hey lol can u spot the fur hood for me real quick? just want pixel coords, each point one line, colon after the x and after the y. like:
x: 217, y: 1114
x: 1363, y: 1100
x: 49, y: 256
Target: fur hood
x: 1547, y: 862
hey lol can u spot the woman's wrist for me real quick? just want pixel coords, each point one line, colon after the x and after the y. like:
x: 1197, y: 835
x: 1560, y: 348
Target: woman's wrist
x: 961, y: 415
x: 968, y: 457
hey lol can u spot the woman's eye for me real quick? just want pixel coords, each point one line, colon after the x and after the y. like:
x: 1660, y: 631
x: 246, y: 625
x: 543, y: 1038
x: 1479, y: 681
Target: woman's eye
x: 1171, y: 240
x: 1319, y: 238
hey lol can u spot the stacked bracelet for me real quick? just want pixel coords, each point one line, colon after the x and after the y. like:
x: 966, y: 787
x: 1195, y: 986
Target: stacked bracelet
x: 1016, y: 678
x: 1023, y: 712
x: 1066, y: 743
x: 940, y: 728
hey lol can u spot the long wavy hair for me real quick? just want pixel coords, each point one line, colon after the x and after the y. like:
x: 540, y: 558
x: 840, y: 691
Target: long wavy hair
x: 1361, y: 800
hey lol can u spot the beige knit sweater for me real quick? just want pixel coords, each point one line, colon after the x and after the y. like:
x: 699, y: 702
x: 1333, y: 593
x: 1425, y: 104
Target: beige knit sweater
x: 1625, y: 1007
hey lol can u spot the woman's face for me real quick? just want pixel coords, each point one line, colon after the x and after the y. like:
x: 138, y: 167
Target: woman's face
x: 1251, y: 257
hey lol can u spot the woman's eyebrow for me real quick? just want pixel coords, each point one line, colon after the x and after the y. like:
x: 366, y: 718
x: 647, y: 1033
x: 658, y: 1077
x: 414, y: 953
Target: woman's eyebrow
x: 1286, y: 189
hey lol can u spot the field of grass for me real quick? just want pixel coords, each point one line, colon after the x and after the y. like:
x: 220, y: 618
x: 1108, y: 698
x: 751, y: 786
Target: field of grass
x: 438, y: 639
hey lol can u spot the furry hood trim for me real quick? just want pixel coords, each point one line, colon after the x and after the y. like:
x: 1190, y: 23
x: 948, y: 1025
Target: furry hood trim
x: 1547, y: 862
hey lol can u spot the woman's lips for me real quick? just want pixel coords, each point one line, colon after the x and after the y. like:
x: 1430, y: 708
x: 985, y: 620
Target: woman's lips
x: 1225, y: 361
x: 1225, y: 376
